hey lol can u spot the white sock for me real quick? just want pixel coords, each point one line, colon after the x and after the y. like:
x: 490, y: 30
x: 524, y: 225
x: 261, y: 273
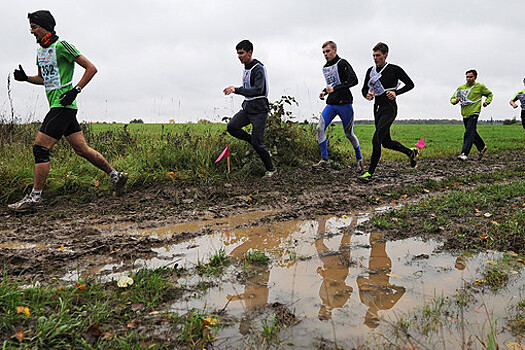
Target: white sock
x: 113, y: 174
x: 36, y: 194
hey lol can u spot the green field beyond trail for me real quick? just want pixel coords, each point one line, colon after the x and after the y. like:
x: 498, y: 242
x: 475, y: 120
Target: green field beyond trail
x: 153, y: 154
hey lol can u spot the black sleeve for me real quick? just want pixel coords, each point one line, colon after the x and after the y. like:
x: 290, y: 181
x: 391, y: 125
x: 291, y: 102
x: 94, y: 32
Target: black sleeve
x: 258, y: 86
x: 346, y: 75
x: 365, y: 88
x: 405, y: 79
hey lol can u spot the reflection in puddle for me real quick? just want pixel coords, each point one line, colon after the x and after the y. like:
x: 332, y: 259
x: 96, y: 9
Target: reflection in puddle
x: 339, y: 282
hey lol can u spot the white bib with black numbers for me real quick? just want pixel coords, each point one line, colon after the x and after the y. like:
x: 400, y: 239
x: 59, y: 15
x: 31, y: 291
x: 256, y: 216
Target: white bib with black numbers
x: 48, y: 64
x: 331, y: 75
x: 463, y: 97
x: 246, y: 76
x: 374, y: 84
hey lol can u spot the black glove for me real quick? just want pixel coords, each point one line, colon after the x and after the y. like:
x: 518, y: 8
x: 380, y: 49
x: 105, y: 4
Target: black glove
x: 67, y: 98
x: 19, y: 74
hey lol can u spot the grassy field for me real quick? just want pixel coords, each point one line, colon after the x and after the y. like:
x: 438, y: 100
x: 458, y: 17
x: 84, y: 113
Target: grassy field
x: 153, y: 154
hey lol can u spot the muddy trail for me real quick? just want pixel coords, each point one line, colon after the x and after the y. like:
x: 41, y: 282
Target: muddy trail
x: 67, y: 235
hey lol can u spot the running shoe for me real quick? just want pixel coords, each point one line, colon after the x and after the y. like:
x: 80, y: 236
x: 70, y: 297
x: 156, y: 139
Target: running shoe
x: 270, y: 173
x: 482, y: 152
x: 462, y: 157
x: 359, y: 165
x: 322, y: 163
x: 366, y: 177
x: 119, y: 182
x: 25, y: 204
x: 413, y: 156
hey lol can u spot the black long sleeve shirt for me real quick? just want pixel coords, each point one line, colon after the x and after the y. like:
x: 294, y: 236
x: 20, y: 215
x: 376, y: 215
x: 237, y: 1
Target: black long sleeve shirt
x: 342, y: 94
x: 390, y: 78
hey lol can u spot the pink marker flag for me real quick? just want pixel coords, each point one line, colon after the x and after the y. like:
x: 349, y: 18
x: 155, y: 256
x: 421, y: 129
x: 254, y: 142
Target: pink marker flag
x: 421, y: 143
x: 225, y: 153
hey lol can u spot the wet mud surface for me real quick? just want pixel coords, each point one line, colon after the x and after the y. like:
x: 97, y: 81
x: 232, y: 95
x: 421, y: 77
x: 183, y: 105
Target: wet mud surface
x: 67, y: 235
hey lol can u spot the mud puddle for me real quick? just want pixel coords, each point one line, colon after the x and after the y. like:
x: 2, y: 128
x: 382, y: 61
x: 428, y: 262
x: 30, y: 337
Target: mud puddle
x: 338, y: 283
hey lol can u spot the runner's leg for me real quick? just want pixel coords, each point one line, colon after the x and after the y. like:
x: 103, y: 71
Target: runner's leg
x: 42, y: 169
x: 523, y: 118
x: 236, y: 124
x: 79, y: 145
x: 387, y: 139
x: 346, y: 113
x: 327, y: 115
x: 470, y: 132
x: 258, y: 122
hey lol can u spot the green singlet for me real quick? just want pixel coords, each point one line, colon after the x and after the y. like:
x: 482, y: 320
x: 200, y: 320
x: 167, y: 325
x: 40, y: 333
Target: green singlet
x: 57, y: 64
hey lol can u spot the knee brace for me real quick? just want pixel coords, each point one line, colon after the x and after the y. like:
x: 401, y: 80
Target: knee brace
x: 41, y: 154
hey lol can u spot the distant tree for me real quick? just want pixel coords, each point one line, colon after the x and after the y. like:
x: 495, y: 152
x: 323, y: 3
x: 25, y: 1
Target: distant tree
x: 136, y: 121
x: 509, y: 121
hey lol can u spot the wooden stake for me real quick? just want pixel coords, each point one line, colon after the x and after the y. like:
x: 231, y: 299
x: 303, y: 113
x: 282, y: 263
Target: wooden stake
x: 228, y: 159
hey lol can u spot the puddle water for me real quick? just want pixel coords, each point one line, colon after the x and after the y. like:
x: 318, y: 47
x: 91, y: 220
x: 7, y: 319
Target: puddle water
x: 339, y: 282
x: 193, y: 226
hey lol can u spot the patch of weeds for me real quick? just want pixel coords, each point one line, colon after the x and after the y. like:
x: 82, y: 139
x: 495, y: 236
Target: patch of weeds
x: 516, y: 320
x: 270, y: 328
x: 196, y: 330
x: 216, y: 264
x: 498, y: 273
x: 256, y: 257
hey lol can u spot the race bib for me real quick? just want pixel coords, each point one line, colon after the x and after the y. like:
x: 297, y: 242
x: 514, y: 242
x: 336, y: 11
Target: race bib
x: 374, y: 83
x: 331, y: 75
x: 47, y: 61
x: 463, y: 97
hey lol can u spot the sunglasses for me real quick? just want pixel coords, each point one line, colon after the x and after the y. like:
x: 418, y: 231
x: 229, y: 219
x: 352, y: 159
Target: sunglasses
x: 34, y: 26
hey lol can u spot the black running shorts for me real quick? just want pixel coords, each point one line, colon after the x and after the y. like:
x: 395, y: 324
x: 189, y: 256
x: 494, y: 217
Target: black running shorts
x: 60, y: 122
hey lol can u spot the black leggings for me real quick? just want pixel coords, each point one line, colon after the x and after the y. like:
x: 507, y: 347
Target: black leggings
x: 523, y: 118
x: 256, y: 139
x: 471, y: 135
x: 384, y: 116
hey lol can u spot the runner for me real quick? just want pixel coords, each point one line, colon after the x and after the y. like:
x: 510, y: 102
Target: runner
x: 520, y: 96
x: 255, y: 107
x: 469, y: 96
x: 340, y: 77
x: 382, y: 83
x: 56, y: 60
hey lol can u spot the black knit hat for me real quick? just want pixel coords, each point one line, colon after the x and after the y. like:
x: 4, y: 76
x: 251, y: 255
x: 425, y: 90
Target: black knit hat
x: 43, y: 18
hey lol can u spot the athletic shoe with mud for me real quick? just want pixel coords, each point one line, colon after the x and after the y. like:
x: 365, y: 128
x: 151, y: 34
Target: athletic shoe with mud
x: 462, y: 157
x: 25, y: 204
x: 119, y: 182
x: 359, y: 166
x: 482, y: 152
x: 270, y: 173
x: 323, y: 163
x: 413, y: 156
x: 366, y: 177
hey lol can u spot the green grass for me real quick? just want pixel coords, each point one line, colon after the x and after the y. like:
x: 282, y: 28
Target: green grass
x: 59, y: 316
x: 156, y: 154
x: 490, y: 216
x: 216, y: 264
x: 256, y: 257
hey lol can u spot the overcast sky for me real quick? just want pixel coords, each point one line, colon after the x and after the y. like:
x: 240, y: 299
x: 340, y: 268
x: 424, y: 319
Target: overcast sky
x: 161, y: 60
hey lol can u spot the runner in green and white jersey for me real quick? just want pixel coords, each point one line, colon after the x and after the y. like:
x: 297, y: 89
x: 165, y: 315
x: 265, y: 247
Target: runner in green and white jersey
x: 470, y: 96
x: 520, y: 95
x: 56, y: 62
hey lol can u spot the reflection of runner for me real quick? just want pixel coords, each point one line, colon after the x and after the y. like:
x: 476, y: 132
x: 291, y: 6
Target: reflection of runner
x: 375, y: 291
x: 334, y: 292
x: 520, y: 95
x: 255, y: 107
x: 381, y: 83
x: 56, y: 61
x: 469, y: 96
x: 339, y: 77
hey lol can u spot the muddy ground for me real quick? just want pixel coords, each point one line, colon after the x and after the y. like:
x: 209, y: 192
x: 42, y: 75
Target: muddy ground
x: 66, y: 234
